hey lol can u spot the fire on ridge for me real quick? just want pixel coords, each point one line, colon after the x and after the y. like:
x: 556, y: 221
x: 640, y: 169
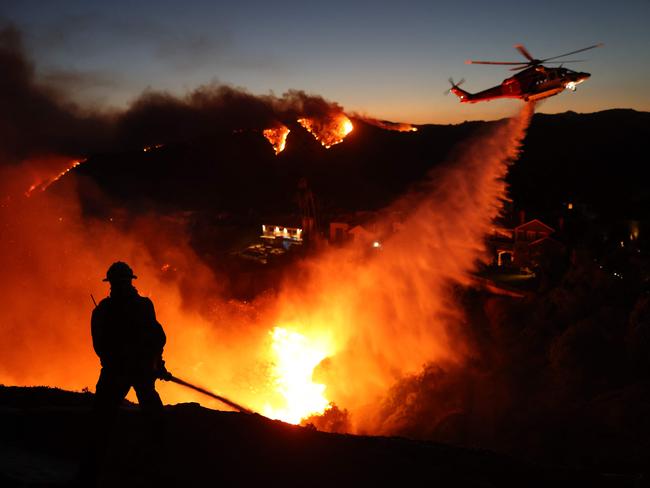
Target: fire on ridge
x: 43, y: 183
x: 329, y: 130
x: 277, y: 136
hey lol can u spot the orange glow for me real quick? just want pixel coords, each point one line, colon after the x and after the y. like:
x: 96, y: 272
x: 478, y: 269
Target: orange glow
x: 330, y: 130
x: 353, y: 323
x: 277, y: 137
x: 273, y: 231
x: 295, y: 357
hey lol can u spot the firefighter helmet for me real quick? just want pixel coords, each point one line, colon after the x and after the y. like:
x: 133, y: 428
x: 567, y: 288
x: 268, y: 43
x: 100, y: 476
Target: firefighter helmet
x: 119, y: 271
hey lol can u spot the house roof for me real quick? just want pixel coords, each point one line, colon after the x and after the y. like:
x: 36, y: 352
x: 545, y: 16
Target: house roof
x: 359, y: 230
x: 535, y: 225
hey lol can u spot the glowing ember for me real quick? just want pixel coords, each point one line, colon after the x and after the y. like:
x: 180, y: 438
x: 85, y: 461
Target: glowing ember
x: 43, y: 184
x: 277, y: 137
x: 296, y: 356
x: 153, y: 147
x: 328, y: 131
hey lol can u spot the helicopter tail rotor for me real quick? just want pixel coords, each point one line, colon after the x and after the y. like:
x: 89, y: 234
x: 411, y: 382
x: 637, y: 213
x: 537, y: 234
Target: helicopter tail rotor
x: 453, y: 85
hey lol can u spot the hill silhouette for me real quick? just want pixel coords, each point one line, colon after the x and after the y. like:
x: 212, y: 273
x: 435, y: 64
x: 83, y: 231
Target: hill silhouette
x: 588, y: 158
x: 43, y: 438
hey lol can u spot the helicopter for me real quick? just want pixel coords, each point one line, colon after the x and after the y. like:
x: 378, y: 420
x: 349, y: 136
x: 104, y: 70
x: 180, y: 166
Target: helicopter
x: 534, y: 82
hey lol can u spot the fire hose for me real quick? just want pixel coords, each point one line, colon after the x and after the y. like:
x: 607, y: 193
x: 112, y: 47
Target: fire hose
x: 230, y: 403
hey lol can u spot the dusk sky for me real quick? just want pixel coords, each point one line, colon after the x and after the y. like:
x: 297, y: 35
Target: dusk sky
x: 389, y: 60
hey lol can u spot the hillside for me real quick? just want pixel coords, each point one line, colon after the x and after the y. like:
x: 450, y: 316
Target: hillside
x: 588, y: 158
x: 44, y: 431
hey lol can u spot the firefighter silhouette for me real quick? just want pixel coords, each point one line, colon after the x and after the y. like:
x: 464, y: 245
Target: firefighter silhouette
x: 129, y: 342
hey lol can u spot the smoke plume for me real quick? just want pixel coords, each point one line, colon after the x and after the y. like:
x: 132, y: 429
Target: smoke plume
x: 36, y: 120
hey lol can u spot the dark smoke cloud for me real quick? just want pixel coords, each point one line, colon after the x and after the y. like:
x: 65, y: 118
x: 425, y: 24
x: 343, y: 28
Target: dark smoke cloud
x: 160, y: 117
x: 37, y: 118
x: 34, y: 119
x: 157, y: 117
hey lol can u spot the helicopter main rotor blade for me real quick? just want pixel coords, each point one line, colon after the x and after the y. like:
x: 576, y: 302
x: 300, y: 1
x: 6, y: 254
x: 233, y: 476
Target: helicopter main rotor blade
x: 569, y: 61
x: 469, y: 61
x: 524, y: 51
x: 574, y: 52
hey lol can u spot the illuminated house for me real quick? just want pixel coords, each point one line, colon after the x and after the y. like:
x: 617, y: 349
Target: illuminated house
x: 525, y: 245
x: 273, y: 232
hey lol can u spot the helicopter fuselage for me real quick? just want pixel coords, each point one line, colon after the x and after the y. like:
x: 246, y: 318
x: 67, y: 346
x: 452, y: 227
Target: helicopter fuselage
x: 534, y: 83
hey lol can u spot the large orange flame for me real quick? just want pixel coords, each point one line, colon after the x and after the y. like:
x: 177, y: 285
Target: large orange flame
x: 329, y: 130
x: 296, y: 356
x: 277, y: 136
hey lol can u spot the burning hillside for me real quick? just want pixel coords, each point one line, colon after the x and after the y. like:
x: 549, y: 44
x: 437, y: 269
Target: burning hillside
x: 43, y: 182
x: 328, y: 130
x: 277, y: 137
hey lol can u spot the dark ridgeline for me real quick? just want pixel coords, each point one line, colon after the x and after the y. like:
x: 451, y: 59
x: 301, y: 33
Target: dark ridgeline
x: 239, y: 171
x: 590, y: 159
x: 596, y: 159
x: 207, y: 448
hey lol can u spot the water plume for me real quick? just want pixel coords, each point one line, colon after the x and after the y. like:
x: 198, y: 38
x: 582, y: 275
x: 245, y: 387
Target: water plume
x: 390, y: 309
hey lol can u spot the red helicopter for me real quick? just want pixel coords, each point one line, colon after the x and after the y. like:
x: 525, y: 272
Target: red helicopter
x: 535, y: 82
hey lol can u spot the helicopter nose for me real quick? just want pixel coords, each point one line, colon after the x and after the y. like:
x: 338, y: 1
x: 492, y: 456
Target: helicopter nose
x: 583, y: 76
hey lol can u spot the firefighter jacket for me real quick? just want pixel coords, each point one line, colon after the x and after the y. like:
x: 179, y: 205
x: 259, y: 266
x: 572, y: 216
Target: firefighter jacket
x: 126, y: 335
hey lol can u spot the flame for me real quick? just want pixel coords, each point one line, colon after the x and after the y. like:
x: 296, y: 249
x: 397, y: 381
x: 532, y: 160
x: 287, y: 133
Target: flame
x: 296, y: 356
x: 277, y: 136
x: 328, y: 131
x: 43, y: 183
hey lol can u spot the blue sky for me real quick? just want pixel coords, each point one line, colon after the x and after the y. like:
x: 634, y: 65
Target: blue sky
x: 386, y: 59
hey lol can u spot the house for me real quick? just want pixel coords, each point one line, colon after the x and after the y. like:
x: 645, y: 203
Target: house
x: 365, y: 228
x: 526, y: 245
x: 274, y: 232
x: 360, y: 234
